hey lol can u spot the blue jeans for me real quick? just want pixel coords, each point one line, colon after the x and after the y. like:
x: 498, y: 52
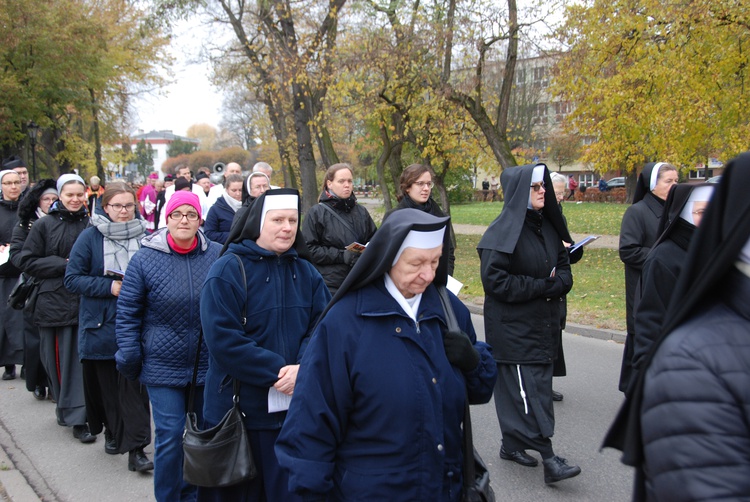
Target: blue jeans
x: 169, y: 406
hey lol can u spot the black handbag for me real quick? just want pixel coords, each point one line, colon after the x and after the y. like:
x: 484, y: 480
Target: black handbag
x: 23, y: 293
x: 476, y: 477
x: 219, y: 456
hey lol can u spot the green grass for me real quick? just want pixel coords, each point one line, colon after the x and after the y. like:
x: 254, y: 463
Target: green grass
x: 584, y: 218
x: 598, y: 295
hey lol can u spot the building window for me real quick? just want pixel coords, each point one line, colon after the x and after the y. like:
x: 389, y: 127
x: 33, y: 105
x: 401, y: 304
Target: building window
x: 540, y: 114
x: 586, y: 180
x: 562, y: 108
x: 520, y: 77
x: 700, y: 174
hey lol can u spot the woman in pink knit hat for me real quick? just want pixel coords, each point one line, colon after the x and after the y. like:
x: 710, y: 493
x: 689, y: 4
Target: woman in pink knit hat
x: 158, y: 326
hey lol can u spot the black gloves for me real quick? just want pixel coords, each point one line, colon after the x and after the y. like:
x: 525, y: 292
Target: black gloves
x: 351, y: 257
x: 460, y: 351
x: 553, y: 287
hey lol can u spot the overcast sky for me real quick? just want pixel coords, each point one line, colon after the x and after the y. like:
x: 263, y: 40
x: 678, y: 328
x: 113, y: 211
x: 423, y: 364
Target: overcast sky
x: 191, y: 99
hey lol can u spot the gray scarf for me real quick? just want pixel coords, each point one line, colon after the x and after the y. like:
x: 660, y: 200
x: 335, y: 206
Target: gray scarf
x: 121, y: 240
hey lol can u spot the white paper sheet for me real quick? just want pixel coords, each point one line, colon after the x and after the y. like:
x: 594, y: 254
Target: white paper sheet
x: 278, y: 401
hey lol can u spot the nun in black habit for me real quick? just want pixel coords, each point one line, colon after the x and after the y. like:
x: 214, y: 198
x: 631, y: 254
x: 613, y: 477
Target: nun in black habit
x: 380, y: 395
x: 685, y: 428
x: 525, y: 272
x: 638, y: 232
x: 682, y: 215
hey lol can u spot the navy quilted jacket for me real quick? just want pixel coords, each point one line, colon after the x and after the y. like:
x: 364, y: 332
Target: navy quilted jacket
x: 158, y: 315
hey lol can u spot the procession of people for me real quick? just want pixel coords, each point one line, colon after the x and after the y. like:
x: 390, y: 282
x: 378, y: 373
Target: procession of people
x: 215, y: 294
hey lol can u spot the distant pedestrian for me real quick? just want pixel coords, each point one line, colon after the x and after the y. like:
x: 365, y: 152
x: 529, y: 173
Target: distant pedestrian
x: 485, y: 189
x: 220, y: 217
x: 494, y: 185
x: 638, y: 232
x: 572, y: 185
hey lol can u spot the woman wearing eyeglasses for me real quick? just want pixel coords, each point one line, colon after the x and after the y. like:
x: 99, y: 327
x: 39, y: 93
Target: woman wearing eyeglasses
x: 683, y: 213
x: 415, y: 190
x: 98, y: 260
x: 157, y: 328
x: 334, y: 224
x: 45, y: 256
x: 11, y: 328
x: 526, y: 273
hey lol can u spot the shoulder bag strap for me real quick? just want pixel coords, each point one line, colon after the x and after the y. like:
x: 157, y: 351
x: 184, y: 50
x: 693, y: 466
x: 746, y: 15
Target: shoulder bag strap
x: 236, y: 383
x: 341, y: 219
x: 469, y: 472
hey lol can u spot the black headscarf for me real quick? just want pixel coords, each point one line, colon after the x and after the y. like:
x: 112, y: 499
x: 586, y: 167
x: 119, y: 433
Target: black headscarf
x: 717, y: 243
x: 246, y: 222
x: 502, y: 234
x: 676, y: 200
x: 336, y: 202
x: 643, y: 187
x: 378, y: 257
x: 30, y: 202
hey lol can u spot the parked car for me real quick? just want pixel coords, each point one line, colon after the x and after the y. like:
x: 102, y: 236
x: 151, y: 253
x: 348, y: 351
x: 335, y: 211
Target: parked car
x: 714, y: 179
x: 616, y: 182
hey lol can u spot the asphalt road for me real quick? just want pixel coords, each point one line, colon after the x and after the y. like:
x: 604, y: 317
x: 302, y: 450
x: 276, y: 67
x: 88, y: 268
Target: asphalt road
x: 59, y: 468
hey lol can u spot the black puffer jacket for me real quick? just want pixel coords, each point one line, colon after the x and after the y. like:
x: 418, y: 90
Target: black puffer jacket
x: 695, y: 416
x: 522, y: 323
x: 45, y: 256
x: 327, y: 236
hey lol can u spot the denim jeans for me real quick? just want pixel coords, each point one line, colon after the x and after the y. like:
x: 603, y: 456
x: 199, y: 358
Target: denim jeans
x: 169, y: 406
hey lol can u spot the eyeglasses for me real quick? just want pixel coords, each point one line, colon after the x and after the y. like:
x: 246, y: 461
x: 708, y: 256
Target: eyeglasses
x: 423, y: 184
x: 178, y: 216
x: 11, y: 183
x: 120, y: 207
x: 699, y: 211
x: 537, y: 186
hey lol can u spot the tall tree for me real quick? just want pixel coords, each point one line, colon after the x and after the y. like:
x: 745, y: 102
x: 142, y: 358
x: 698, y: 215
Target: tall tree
x: 657, y: 81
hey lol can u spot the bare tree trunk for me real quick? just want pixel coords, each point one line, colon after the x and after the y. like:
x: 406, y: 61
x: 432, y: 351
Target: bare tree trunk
x: 97, y: 137
x: 380, y: 167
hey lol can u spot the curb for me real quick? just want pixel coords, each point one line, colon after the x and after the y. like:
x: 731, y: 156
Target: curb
x: 13, y: 485
x: 571, y: 328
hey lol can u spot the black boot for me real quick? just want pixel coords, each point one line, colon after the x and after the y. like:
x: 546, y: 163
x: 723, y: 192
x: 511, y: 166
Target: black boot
x: 40, y: 393
x: 10, y: 372
x: 82, y: 434
x: 110, y: 443
x: 138, y: 461
x: 557, y: 469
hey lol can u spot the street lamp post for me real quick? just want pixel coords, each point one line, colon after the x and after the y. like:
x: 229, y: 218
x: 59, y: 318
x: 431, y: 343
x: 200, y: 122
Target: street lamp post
x: 33, y: 129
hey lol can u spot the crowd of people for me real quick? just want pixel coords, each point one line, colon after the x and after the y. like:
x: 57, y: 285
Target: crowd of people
x: 187, y: 291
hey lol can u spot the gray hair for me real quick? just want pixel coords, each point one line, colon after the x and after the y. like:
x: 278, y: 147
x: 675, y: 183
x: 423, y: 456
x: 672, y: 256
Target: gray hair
x: 558, y: 178
x: 263, y: 167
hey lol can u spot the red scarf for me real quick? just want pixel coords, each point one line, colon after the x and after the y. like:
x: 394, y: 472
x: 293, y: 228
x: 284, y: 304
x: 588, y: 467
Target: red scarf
x: 178, y: 249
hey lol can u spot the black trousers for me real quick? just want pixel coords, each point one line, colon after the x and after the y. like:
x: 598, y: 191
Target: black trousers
x: 114, y: 402
x: 524, y: 407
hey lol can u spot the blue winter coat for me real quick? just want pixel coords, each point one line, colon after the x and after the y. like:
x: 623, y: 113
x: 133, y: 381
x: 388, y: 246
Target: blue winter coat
x: 219, y: 221
x: 158, y: 312
x: 695, y: 416
x: 377, y: 408
x: 84, y: 275
x: 284, y: 296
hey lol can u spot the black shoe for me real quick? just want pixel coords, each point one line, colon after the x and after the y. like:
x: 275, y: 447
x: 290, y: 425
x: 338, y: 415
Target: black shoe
x: 557, y: 469
x: 82, y: 434
x: 10, y: 372
x: 40, y: 393
x: 519, y: 457
x: 110, y: 443
x: 138, y: 461
x: 556, y: 396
